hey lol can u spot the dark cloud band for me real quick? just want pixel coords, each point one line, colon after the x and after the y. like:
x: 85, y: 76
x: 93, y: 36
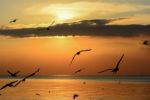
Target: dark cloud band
x: 96, y: 27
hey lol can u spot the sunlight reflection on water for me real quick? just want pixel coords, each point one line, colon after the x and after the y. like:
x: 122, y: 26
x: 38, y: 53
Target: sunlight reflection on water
x: 65, y: 88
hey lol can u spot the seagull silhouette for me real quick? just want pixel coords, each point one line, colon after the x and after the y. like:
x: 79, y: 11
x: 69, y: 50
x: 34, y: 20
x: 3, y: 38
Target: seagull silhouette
x: 145, y: 42
x: 13, y: 21
x: 49, y: 91
x: 79, y: 70
x: 8, y: 84
x: 116, y: 69
x: 37, y: 94
x: 13, y: 74
x: 24, y: 79
x: 84, y: 82
x: 48, y: 28
x: 75, y: 95
x: 78, y: 53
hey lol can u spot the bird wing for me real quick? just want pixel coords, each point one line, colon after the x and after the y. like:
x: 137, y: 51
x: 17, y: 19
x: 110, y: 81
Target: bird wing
x: 16, y: 72
x: 13, y: 21
x: 32, y: 74
x: 4, y: 86
x: 17, y: 83
x: 8, y: 84
x: 52, y: 23
x: 85, y: 50
x: 73, y: 58
x: 79, y: 52
x: 105, y: 70
x: 22, y: 80
x: 75, y: 95
x: 79, y: 70
x: 145, y: 42
x: 9, y: 72
x: 119, y: 61
x: 13, y: 82
x: 10, y: 21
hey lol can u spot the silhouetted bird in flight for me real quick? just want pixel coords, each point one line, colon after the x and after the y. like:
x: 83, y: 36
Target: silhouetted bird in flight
x: 13, y: 74
x: 48, y: 28
x: 37, y: 94
x: 78, y: 53
x: 84, y: 82
x: 79, y: 70
x: 145, y: 42
x: 8, y: 84
x: 75, y: 95
x: 13, y: 21
x: 116, y: 69
x: 24, y: 79
x: 49, y: 91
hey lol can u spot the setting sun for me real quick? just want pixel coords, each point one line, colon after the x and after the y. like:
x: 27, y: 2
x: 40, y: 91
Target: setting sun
x: 64, y: 15
x: 60, y: 13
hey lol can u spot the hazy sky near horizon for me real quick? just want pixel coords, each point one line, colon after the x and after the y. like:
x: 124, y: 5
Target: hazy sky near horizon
x: 33, y: 13
x: 53, y: 55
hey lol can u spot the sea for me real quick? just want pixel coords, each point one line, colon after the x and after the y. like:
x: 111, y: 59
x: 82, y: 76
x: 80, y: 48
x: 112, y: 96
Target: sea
x: 64, y: 87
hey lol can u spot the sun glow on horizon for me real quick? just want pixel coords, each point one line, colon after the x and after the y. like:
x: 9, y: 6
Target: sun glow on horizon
x: 64, y: 15
x: 60, y: 13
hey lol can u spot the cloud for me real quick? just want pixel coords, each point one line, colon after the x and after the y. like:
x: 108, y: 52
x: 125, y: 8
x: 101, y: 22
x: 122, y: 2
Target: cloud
x: 43, y: 11
x: 139, y: 18
x: 137, y: 2
x: 96, y: 22
x: 95, y: 27
x: 87, y: 10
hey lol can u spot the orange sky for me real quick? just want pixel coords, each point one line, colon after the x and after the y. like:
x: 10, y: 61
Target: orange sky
x: 53, y: 54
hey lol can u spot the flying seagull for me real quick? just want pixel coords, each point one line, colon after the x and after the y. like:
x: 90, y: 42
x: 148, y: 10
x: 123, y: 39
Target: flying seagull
x: 116, y: 69
x: 75, y: 95
x: 8, y: 84
x: 37, y: 94
x: 24, y: 79
x: 79, y: 70
x: 78, y: 53
x: 84, y: 82
x: 13, y: 21
x: 13, y: 74
x: 145, y: 42
x: 49, y: 91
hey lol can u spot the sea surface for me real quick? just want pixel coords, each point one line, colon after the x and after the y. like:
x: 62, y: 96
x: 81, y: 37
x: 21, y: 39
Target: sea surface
x: 87, y: 87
